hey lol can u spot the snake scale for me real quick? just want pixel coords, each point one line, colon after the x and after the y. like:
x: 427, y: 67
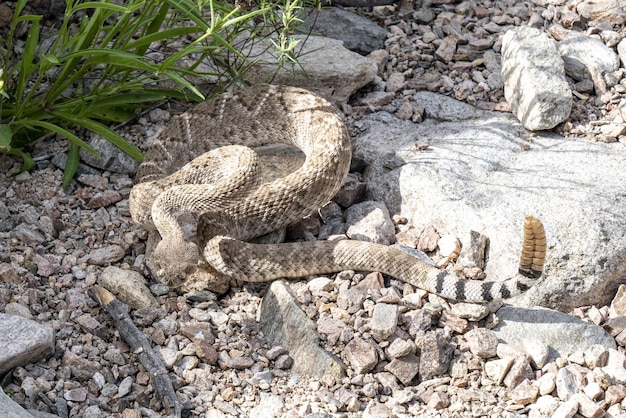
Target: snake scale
x: 201, y: 163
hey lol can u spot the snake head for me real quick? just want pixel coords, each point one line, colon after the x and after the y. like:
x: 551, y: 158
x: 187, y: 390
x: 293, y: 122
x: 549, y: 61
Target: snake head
x: 175, y: 263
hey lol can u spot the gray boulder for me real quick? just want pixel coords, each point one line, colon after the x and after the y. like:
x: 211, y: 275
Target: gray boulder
x: 358, y: 33
x: 534, y: 80
x: 10, y: 408
x: 562, y: 333
x: 284, y: 323
x: 325, y: 67
x: 584, y: 55
x: 613, y: 11
x: 486, y: 173
x: 23, y: 341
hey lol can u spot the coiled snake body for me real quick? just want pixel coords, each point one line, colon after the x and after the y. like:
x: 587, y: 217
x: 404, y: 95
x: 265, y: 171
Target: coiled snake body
x: 200, y: 163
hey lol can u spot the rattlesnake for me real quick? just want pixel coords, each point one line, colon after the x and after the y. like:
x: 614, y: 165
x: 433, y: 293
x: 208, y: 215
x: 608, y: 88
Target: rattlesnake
x: 200, y: 164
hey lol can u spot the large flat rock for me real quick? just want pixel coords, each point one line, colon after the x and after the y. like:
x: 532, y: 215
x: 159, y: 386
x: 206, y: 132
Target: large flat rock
x: 482, y: 171
x: 284, y: 323
x: 562, y: 333
x: 324, y: 67
x: 10, y: 408
x: 23, y: 341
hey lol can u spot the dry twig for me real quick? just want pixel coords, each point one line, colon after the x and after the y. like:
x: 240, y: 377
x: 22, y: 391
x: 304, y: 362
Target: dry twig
x: 140, y: 345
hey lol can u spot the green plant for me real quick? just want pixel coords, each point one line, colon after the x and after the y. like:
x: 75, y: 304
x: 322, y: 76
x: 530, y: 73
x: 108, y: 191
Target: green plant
x: 97, y: 66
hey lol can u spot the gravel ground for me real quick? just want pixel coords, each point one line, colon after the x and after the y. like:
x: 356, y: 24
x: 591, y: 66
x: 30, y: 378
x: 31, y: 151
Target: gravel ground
x: 55, y: 244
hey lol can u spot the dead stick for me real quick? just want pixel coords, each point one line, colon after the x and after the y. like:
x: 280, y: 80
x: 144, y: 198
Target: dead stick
x: 140, y: 345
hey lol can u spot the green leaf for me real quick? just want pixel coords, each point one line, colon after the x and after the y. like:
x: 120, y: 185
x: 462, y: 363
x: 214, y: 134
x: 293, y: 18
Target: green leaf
x: 190, y: 11
x: 163, y: 35
x: 71, y: 164
x: 27, y: 67
x: 181, y: 81
x: 98, y: 67
x: 51, y: 59
x: 18, y: 9
x: 110, y: 56
x: 101, y: 5
x: 117, y: 115
x: 103, y: 131
x: 118, y: 108
x: 26, y: 135
x: 178, y: 94
x: 155, y: 27
x: 126, y: 99
x: 5, y: 137
x: 57, y: 129
x: 84, y: 39
x: 27, y: 162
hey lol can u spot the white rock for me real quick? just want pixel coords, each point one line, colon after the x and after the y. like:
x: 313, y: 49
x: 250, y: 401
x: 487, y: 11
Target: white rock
x: 270, y: 405
x: 577, y: 357
x: 170, y: 357
x: 546, y: 383
x: 490, y: 166
x: 593, y: 390
x: 538, y: 352
x: 482, y: 342
x: 615, y: 367
x: 584, y: 54
x: 448, y: 245
x: 566, y: 384
x: 125, y: 386
x: 23, y: 341
x: 384, y: 321
x: 563, y: 333
x: 534, y: 81
x: 596, y: 356
x: 470, y: 311
x: 613, y: 11
x: 566, y: 410
x: 129, y: 286
x: 496, y: 370
x: 370, y: 221
x: 400, y: 348
x: 546, y: 405
x: 586, y: 407
x: 320, y: 284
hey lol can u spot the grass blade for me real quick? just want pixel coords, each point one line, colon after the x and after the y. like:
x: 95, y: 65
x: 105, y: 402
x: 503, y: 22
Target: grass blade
x: 155, y: 28
x: 84, y: 39
x: 145, y: 41
x: 27, y: 161
x: 56, y: 129
x: 184, y: 83
x: 27, y: 66
x: 71, y: 164
x: 111, y: 56
x: 103, y: 131
x: 5, y: 137
x: 102, y: 5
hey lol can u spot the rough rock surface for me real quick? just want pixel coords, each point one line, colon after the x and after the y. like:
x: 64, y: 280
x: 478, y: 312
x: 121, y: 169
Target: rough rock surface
x: 358, y: 33
x: 613, y: 11
x: 10, y: 408
x: 473, y: 168
x: 295, y: 331
x: 583, y: 56
x: 23, y: 341
x: 343, y: 72
x: 535, y: 85
x: 562, y: 333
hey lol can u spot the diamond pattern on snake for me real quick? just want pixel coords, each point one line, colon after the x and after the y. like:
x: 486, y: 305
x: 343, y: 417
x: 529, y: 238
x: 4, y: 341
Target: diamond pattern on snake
x: 202, y: 164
